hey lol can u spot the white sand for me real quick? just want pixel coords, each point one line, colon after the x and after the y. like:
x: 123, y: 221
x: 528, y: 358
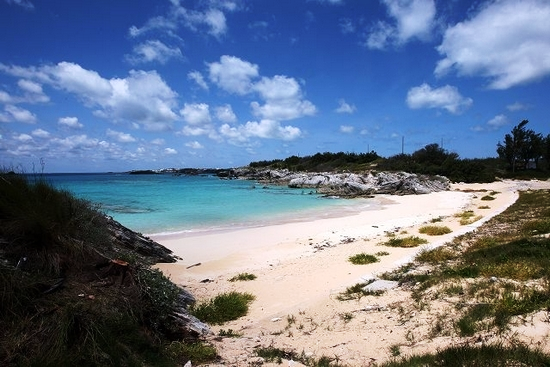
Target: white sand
x: 297, y: 282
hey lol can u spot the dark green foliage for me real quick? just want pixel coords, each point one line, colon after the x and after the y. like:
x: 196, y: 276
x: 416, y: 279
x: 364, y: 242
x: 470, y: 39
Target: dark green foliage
x: 362, y: 259
x: 322, y: 162
x: 473, y: 356
x: 61, y: 301
x: 410, y: 241
x: 222, y: 308
x: 243, y: 277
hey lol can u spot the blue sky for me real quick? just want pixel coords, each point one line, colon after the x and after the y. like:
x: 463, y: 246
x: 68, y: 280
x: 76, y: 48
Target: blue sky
x: 95, y: 86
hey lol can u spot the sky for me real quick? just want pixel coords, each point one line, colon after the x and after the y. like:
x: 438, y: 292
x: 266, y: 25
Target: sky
x: 101, y: 86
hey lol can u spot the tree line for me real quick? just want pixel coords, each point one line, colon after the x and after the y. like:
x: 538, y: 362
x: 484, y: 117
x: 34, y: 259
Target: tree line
x: 523, y: 151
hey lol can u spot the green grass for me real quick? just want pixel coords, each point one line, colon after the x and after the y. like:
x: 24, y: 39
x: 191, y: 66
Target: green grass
x: 410, y: 241
x: 276, y: 355
x: 97, y: 316
x: 487, y: 198
x: 434, y: 230
x: 356, y: 292
x: 243, y: 277
x: 470, y: 355
x: 363, y: 259
x: 467, y: 217
x: 223, y: 308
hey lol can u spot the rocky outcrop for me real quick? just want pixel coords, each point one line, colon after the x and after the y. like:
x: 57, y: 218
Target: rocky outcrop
x: 351, y: 184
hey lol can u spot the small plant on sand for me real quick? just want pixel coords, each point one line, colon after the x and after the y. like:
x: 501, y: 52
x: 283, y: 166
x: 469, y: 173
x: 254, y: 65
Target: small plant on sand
x: 435, y: 256
x: 229, y: 333
x: 346, y: 316
x: 434, y: 230
x: 487, y: 198
x: 198, y: 352
x: 410, y: 241
x: 357, y: 291
x: 395, y: 350
x: 243, y: 277
x: 436, y: 220
x: 363, y: 259
x: 382, y: 253
x: 222, y: 308
x: 484, y: 207
x: 467, y: 217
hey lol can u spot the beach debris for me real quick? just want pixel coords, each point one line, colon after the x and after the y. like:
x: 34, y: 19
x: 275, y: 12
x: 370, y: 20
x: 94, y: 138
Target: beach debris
x: 206, y: 280
x: 275, y: 319
x: 374, y: 308
x: 191, y: 266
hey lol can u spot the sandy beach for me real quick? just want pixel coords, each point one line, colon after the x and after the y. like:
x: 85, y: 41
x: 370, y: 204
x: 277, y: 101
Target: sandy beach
x: 302, y: 266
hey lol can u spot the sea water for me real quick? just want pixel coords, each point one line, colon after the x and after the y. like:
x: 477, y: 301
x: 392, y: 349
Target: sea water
x: 165, y: 203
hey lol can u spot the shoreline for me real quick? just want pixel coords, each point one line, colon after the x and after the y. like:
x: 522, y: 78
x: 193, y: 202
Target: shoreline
x: 301, y: 267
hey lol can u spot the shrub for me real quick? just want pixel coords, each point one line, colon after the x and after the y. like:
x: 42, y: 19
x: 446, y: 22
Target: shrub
x: 363, y: 259
x: 243, y: 277
x: 487, y: 198
x: 222, y: 308
x: 411, y: 241
x: 434, y: 230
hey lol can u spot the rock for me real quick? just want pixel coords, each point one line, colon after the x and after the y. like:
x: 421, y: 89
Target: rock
x: 380, y: 285
x: 351, y: 184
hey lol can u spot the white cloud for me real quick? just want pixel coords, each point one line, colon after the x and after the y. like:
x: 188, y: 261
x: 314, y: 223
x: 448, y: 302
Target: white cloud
x: 211, y: 20
x: 266, y: 129
x: 71, y: 122
x: 194, y: 145
x: 39, y: 133
x: 346, y: 129
x: 497, y: 122
x: 120, y: 136
x: 197, y: 78
x: 170, y: 151
x: 283, y: 98
x: 158, y: 141
x: 143, y: 97
x: 233, y: 74
x: 346, y: 26
x: 446, y: 97
x: 196, y: 113
x: 24, y: 138
x: 507, y: 41
x: 33, y: 92
x: 225, y: 114
x: 18, y: 114
x: 518, y: 106
x: 344, y: 107
x: 23, y: 3
x: 412, y: 19
x: 153, y: 51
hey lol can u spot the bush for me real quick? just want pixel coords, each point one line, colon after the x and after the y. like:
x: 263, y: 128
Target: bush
x: 243, y: 277
x: 411, y: 241
x: 434, y: 230
x: 363, y: 259
x: 222, y: 308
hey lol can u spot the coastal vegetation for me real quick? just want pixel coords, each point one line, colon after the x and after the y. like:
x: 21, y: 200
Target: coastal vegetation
x: 493, y: 279
x: 243, y: 277
x: 524, y: 153
x: 434, y: 230
x: 363, y: 259
x: 409, y: 241
x: 223, y: 308
x: 76, y: 291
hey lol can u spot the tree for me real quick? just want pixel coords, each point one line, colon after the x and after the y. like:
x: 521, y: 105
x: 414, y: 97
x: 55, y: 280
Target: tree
x: 513, y: 145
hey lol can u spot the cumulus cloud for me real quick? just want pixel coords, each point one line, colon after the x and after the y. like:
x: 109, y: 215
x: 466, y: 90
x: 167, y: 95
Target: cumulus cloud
x: 346, y: 26
x: 225, y: 114
x: 153, y: 51
x: 411, y: 19
x: 345, y: 107
x: 71, y: 122
x: 40, y: 133
x: 267, y: 129
x: 120, y: 136
x: 210, y: 20
x: 346, y: 129
x: 32, y: 92
x: 18, y: 114
x: 196, y: 113
x: 233, y: 74
x: 518, y: 106
x: 143, y: 97
x: 194, y: 145
x: 283, y: 98
x: 498, y: 121
x: 170, y: 151
x: 447, y: 97
x: 197, y: 78
x: 507, y: 41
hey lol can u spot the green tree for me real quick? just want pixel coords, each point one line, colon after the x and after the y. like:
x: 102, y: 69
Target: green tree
x: 514, y: 145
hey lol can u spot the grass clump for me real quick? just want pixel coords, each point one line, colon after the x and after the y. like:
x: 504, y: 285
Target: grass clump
x: 276, y: 355
x: 487, y: 198
x: 357, y: 291
x: 471, y: 355
x: 363, y: 259
x: 243, y: 277
x: 467, y: 217
x: 410, y: 241
x: 72, y: 293
x: 222, y: 308
x: 434, y: 230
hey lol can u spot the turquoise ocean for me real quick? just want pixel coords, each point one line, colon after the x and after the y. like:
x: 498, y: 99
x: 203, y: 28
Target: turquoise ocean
x: 165, y: 203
